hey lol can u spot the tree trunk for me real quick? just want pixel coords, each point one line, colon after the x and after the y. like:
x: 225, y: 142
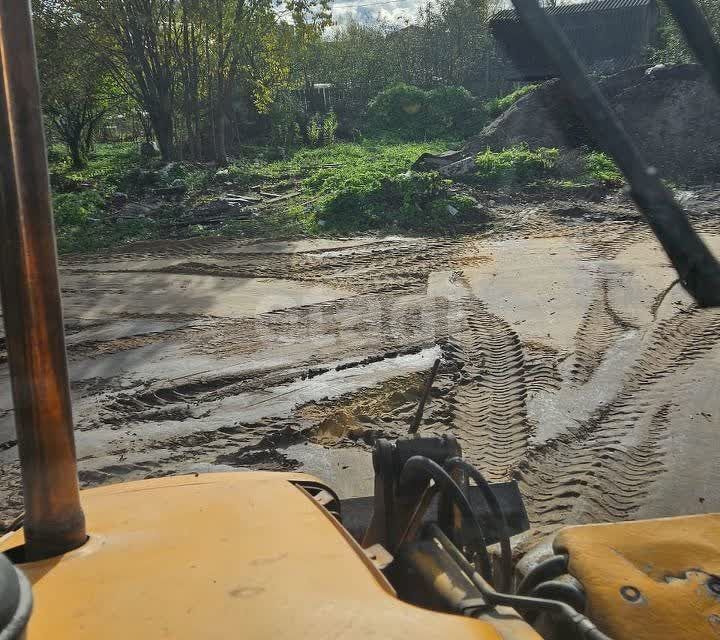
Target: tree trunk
x: 76, y: 154
x: 163, y: 127
x: 220, y: 147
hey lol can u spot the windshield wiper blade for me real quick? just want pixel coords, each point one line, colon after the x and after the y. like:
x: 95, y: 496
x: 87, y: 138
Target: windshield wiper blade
x: 697, y: 268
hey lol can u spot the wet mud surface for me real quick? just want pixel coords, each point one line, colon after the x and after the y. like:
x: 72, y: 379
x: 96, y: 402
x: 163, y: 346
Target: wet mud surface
x: 570, y: 360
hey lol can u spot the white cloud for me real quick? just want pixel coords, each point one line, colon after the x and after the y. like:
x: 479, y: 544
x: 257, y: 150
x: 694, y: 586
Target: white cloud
x: 392, y: 11
x: 368, y: 11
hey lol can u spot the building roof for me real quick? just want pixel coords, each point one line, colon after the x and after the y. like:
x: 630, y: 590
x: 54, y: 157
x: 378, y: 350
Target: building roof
x: 608, y: 36
x: 509, y: 15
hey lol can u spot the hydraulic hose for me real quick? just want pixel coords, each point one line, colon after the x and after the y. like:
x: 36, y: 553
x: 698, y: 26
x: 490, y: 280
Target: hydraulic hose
x: 562, y: 591
x: 585, y: 628
x: 496, y: 509
x: 420, y: 466
x: 548, y: 569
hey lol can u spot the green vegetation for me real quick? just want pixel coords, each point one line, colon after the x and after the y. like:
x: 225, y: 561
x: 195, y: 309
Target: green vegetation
x: 498, y: 106
x: 344, y: 187
x: 365, y: 186
x: 109, y: 171
x: 520, y: 166
x: 603, y: 169
x: 416, y: 114
x: 341, y: 188
x: 83, y: 217
x: 517, y: 165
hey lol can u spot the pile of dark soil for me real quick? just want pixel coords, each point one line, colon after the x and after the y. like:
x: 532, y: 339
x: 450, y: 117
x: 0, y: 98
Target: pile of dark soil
x: 672, y: 113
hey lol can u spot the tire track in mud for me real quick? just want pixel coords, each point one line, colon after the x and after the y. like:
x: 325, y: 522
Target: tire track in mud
x: 358, y: 418
x: 152, y: 249
x: 483, y: 402
x: 603, y: 470
x: 541, y: 368
x: 174, y: 401
x: 384, y: 266
x: 599, y: 329
x: 612, y: 239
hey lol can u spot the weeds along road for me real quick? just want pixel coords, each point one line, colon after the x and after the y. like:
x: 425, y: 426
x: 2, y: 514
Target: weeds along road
x: 569, y: 361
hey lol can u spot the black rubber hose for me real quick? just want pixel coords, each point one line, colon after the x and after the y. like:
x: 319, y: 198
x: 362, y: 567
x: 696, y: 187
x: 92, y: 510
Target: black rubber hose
x: 586, y: 629
x: 497, y: 511
x: 556, y: 590
x: 548, y: 569
x: 427, y: 468
x: 563, y: 591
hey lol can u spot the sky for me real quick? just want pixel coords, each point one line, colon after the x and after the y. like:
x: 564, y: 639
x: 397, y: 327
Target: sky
x: 393, y: 11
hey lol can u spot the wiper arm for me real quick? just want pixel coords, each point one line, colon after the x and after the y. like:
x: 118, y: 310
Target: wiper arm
x: 697, y: 268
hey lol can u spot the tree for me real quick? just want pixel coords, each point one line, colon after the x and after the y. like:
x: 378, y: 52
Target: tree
x: 76, y: 89
x: 193, y: 65
x: 240, y: 31
x: 146, y: 32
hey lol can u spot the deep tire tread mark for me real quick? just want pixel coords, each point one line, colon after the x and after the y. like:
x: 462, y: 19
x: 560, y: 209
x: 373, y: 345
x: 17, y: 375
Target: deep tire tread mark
x: 486, y: 407
x: 597, y: 472
x: 599, y: 329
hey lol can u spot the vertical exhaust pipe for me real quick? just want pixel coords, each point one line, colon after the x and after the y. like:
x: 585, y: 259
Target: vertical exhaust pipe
x: 54, y: 521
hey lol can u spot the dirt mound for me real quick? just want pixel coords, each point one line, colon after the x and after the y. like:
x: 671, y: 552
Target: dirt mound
x: 672, y: 113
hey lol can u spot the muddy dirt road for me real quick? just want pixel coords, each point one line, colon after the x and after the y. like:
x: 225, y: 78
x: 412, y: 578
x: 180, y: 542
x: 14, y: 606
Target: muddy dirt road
x: 569, y: 360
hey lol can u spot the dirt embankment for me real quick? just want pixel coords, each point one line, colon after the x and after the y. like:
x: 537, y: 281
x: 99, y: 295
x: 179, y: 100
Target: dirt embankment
x: 672, y: 114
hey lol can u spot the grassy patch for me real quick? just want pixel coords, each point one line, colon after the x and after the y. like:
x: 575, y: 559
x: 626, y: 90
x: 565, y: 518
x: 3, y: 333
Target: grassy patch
x: 520, y: 166
x: 80, y: 198
x: 516, y: 165
x: 111, y: 168
x: 360, y: 187
x: 344, y: 187
x: 601, y: 168
x: 499, y: 105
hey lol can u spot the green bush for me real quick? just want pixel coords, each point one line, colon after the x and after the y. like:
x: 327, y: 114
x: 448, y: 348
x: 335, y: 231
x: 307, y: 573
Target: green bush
x: 516, y: 165
x: 329, y: 128
x: 497, y: 106
x: 603, y: 169
x: 456, y: 110
x: 285, y: 114
x: 417, y: 114
x: 74, y: 209
x: 314, y: 131
x: 400, y: 108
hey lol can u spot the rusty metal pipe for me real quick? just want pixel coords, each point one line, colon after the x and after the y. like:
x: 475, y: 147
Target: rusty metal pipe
x: 54, y: 520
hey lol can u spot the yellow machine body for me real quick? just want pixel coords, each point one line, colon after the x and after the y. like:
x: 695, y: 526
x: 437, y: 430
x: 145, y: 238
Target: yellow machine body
x: 247, y: 555
x: 649, y: 579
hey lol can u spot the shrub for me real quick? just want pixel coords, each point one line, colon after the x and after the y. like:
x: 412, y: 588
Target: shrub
x: 516, y: 165
x: 497, y: 106
x: 314, y: 131
x: 285, y: 113
x: 407, y: 201
x: 329, y: 128
x: 603, y: 169
x: 455, y: 110
x: 400, y: 107
x: 416, y: 114
x: 74, y: 209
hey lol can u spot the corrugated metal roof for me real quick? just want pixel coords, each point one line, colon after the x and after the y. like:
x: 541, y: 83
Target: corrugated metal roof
x: 509, y: 15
